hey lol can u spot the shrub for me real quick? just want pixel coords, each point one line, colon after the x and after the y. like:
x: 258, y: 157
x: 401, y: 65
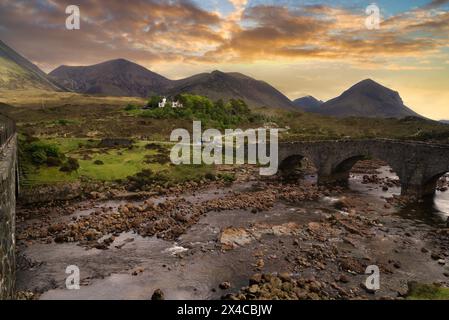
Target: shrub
x: 145, y: 179
x: 64, y: 122
x: 218, y: 114
x: 226, y: 177
x: 39, y: 152
x: 210, y: 176
x: 71, y: 165
x: 131, y: 107
x: 53, y: 162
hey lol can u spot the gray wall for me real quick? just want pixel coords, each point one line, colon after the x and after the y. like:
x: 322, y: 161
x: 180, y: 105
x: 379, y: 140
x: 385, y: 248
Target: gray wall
x: 8, y: 169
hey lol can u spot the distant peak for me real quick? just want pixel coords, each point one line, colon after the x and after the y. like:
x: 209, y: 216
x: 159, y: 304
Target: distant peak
x: 368, y: 81
x: 119, y: 60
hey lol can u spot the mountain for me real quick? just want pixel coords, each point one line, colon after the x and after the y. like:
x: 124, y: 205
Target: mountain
x: 444, y: 121
x: 118, y: 77
x: 308, y: 103
x: 124, y: 78
x: 16, y: 72
x: 367, y: 99
x: 220, y: 85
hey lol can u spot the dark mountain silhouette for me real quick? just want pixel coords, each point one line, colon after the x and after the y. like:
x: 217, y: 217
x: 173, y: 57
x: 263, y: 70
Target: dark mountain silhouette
x: 124, y: 78
x: 112, y: 78
x: 18, y: 73
x: 367, y: 99
x: 444, y: 121
x: 307, y: 103
x: 226, y: 86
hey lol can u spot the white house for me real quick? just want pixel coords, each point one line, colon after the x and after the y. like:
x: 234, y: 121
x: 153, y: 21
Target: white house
x: 163, y: 103
x: 174, y: 104
x: 177, y: 104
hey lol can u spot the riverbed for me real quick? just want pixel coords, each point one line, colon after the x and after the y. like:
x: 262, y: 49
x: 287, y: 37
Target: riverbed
x: 330, y: 240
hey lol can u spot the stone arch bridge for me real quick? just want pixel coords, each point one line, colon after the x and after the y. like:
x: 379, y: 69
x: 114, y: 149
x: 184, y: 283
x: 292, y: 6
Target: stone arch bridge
x: 419, y: 165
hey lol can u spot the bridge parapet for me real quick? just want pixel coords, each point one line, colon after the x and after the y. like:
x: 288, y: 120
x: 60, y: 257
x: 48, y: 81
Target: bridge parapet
x: 8, y: 182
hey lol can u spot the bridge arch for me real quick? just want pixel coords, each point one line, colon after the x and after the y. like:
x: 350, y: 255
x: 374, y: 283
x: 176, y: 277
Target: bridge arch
x: 342, y: 168
x: 418, y: 165
x: 430, y: 185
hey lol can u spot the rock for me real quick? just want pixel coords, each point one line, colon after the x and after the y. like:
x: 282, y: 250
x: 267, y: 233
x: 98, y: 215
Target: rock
x: 158, y: 295
x: 436, y: 256
x: 442, y: 262
x: 285, y: 277
x: 315, y: 287
x: 254, y: 288
x: 343, y: 279
x: 368, y: 290
x: 260, y: 264
x: 225, y: 285
x: 255, y: 279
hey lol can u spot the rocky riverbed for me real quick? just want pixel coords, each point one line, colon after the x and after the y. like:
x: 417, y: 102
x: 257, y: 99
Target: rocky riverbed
x: 255, y: 239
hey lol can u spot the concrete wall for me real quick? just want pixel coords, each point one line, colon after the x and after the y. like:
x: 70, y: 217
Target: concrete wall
x: 8, y: 170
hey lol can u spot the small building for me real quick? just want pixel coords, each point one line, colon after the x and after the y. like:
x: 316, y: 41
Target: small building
x: 177, y: 104
x: 174, y: 104
x: 163, y: 103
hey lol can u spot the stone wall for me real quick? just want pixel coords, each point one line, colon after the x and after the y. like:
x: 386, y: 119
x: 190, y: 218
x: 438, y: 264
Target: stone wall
x: 418, y: 164
x: 8, y: 170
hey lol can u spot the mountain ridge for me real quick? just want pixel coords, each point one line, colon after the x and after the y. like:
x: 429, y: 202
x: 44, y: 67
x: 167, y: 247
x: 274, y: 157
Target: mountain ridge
x: 307, y: 103
x: 118, y: 77
x: 17, y: 72
x: 127, y: 78
x: 367, y: 98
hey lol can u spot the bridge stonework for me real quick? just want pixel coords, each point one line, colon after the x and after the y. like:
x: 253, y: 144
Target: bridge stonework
x: 8, y: 185
x: 419, y: 165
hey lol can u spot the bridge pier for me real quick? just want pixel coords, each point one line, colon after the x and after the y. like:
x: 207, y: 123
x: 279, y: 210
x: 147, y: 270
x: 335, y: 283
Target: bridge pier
x: 339, y: 178
x: 419, y: 191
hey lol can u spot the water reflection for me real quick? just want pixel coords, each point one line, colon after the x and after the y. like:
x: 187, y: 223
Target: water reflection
x: 434, y: 211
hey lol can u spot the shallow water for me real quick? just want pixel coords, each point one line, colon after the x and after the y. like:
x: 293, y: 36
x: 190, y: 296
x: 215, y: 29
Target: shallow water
x: 108, y: 274
x: 433, y: 211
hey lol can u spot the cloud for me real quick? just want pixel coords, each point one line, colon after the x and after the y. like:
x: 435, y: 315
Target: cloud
x: 156, y: 31
x: 323, y: 32
x: 147, y: 31
x: 435, y: 4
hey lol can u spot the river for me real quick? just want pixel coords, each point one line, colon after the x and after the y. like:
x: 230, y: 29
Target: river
x: 193, y: 266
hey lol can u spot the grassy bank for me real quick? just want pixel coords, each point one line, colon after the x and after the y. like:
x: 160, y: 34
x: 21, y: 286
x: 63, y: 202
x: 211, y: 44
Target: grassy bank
x: 109, y: 164
x: 427, y: 292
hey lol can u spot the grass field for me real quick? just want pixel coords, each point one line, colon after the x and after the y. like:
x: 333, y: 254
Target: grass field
x: 110, y: 164
x: 45, y: 114
x: 70, y: 120
x: 428, y: 292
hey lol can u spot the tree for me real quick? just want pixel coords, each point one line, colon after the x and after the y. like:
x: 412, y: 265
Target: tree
x: 154, y: 102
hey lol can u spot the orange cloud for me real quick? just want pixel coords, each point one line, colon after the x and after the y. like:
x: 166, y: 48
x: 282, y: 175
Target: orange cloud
x: 153, y: 31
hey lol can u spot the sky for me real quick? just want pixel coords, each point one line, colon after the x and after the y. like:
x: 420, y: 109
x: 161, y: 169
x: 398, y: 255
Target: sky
x: 301, y: 47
